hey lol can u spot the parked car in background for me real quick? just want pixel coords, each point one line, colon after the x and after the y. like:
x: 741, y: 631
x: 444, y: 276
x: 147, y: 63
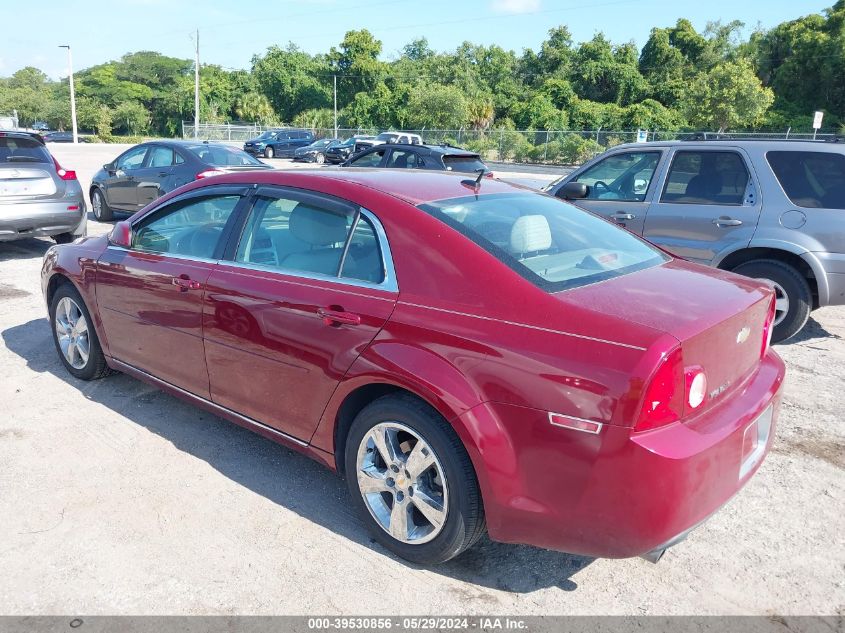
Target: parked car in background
x: 40, y: 126
x: 38, y: 197
x: 440, y: 157
x: 338, y: 153
x: 62, y: 137
x: 766, y: 209
x: 316, y: 152
x: 279, y: 143
x: 471, y: 357
x: 404, y: 138
x: 150, y: 170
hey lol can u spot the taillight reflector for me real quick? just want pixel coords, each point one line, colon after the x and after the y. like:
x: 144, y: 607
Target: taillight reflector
x: 574, y: 424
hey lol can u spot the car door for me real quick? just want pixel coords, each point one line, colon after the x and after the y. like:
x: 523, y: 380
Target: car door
x: 156, y: 177
x: 150, y: 295
x: 621, y: 186
x: 707, y: 204
x: 307, y: 288
x: 120, y: 185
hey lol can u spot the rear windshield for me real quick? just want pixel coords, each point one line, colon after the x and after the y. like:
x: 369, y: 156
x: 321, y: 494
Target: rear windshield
x: 811, y: 179
x: 549, y: 242
x: 22, y: 150
x: 222, y: 156
x: 464, y: 164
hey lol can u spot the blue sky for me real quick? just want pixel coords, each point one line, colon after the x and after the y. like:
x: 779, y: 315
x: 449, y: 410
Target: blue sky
x: 232, y: 31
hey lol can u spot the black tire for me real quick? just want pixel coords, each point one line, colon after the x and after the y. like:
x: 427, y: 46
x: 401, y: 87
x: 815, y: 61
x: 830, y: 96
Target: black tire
x: 64, y: 238
x: 268, y: 152
x: 105, y: 213
x: 96, y: 366
x: 464, y: 522
x: 794, y: 285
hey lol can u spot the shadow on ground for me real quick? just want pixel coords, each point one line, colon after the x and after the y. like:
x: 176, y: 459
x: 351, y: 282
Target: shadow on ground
x: 24, y: 249
x: 281, y: 475
x: 812, y: 330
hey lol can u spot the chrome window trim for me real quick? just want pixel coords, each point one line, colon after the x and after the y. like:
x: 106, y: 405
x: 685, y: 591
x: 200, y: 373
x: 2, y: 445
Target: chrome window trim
x: 190, y: 258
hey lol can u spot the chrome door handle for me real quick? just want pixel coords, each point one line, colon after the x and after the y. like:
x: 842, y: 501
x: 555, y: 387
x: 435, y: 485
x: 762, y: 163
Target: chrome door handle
x: 338, y: 317
x: 623, y: 216
x: 726, y: 221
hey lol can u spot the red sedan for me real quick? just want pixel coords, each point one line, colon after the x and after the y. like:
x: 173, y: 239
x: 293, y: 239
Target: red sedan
x: 471, y: 356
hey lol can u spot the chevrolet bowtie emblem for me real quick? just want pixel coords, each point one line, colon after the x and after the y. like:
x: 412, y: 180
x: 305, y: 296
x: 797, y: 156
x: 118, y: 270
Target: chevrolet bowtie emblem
x: 742, y: 335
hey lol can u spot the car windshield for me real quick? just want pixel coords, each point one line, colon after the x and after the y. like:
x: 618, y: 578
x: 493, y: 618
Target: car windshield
x: 15, y: 149
x: 322, y: 143
x: 222, y: 156
x: 265, y: 135
x: 549, y: 242
x: 465, y: 164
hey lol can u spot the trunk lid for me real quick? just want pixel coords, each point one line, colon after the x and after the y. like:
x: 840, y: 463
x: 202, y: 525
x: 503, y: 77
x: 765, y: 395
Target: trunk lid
x: 26, y: 180
x: 717, y: 317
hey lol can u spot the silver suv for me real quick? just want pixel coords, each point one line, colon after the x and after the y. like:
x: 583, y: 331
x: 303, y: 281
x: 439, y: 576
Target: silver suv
x: 37, y: 196
x: 768, y: 209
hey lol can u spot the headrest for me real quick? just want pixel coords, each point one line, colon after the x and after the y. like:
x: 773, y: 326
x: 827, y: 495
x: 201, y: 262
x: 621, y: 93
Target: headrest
x: 531, y: 233
x: 317, y: 227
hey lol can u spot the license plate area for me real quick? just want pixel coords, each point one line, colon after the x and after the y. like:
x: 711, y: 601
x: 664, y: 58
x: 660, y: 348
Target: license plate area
x: 754, y: 440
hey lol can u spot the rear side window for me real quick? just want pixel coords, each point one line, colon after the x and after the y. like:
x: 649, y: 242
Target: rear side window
x: 402, y: 159
x: 811, y: 179
x: 223, y: 156
x: 373, y: 159
x: 161, y: 157
x: 22, y: 150
x: 706, y: 178
x: 464, y: 164
x: 549, y: 242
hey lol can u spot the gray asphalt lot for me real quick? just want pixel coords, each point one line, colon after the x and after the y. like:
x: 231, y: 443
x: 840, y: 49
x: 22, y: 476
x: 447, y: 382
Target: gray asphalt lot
x: 118, y: 499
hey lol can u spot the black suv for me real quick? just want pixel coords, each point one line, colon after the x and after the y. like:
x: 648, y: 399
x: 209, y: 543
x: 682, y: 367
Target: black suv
x: 401, y: 156
x: 278, y: 143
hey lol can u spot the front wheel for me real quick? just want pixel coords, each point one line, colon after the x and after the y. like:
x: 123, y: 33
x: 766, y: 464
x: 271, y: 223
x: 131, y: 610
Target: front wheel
x: 101, y: 209
x: 793, y: 298
x: 268, y: 152
x: 412, y: 481
x: 320, y: 158
x: 74, y: 336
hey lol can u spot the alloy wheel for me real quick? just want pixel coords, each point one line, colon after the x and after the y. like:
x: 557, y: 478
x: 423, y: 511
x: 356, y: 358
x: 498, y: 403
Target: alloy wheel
x: 781, y: 300
x: 97, y: 204
x: 72, y: 333
x: 402, y: 483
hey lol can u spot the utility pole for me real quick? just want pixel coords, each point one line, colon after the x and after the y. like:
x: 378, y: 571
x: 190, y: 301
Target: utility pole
x: 335, y: 105
x: 197, y: 87
x: 72, y: 93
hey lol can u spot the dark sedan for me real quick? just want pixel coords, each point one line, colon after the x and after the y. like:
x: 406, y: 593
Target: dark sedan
x: 342, y: 151
x: 316, y: 152
x: 150, y: 170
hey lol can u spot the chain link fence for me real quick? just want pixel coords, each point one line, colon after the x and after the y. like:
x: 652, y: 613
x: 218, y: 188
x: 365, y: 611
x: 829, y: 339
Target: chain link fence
x: 554, y: 147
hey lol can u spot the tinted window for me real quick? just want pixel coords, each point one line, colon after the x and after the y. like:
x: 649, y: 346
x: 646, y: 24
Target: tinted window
x: 222, y: 156
x: 706, y: 178
x: 193, y: 227
x: 549, y: 242
x: 23, y: 150
x: 373, y: 159
x: 133, y: 159
x: 623, y: 176
x: 811, y: 179
x: 464, y: 164
x: 161, y: 157
x: 302, y: 235
x: 402, y: 159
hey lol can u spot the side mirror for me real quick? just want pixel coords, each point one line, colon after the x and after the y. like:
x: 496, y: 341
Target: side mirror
x: 573, y: 191
x: 121, y: 235
x: 109, y: 167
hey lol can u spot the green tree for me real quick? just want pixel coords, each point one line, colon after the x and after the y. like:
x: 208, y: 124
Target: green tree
x: 356, y: 64
x: 131, y: 117
x: 292, y: 80
x: 437, y: 107
x: 728, y: 96
x: 254, y: 107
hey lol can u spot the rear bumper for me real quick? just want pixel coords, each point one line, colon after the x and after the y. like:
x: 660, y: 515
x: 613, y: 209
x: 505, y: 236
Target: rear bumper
x: 617, y: 494
x: 39, y: 219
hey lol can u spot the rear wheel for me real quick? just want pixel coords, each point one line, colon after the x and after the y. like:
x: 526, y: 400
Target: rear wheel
x: 268, y: 152
x: 102, y: 211
x: 793, y: 298
x: 412, y: 481
x: 74, y: 336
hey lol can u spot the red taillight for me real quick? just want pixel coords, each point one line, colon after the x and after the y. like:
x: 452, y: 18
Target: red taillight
x: 208, y: 173
x: 64, y: 174
x: 663, y: 402
x: 768, y: 326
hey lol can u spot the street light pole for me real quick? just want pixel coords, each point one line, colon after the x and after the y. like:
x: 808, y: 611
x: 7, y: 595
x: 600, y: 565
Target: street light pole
x: 335, y: 105
x: 197, y: 87
x: 72, y: 93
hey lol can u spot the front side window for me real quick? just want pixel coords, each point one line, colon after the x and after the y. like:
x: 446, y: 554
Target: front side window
x: 625, y: 176
x: 706, y: 177
x: 373, y: 159
x: 133, y: 159
x: 223, y: 156
x: 549, y: 242
x: 192, y: 227
x: 302, y: 235
x: 811, y: 179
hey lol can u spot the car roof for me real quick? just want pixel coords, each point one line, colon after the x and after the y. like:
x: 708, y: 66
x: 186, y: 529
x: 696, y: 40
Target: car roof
x: 792, y: 144
x: 415, y: 186
x: 443, y: 150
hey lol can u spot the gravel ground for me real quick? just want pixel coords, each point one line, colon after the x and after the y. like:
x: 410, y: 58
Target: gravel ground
x: 118, y: 499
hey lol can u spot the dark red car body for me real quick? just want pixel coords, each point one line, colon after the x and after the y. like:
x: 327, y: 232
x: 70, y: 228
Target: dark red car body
x: 491, y: 352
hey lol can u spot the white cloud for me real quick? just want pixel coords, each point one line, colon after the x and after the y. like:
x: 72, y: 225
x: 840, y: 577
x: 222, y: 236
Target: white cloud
x: 515, y: 6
